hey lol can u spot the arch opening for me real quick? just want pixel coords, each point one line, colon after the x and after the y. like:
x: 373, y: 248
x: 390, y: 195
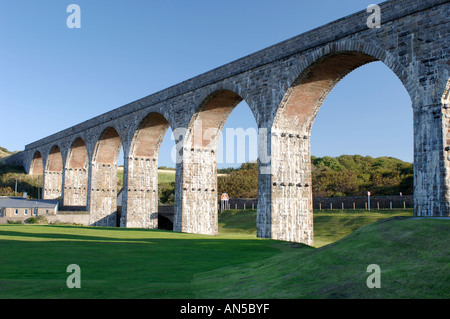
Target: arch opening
x: 200, y: 160
x: 291, y: 176
x: 304, y: 98
x: 238, y: 172
x: 208, y: 121
x: 141, y: 208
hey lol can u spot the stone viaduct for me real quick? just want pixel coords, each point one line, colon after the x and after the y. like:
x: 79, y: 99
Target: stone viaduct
x: 284, y: 86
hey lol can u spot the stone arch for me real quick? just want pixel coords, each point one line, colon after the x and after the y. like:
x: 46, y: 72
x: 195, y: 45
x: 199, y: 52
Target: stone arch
x: 53, y: 174
x: 291, y: 216
x: 320, y: 71
x: 76, y: 174
x: 148, y: 136
x: 140, y: 205
x: 78, y: 154
x: 227, y: 86
x: 37, y: 164
x: 102, y: 201
x: 107, y: 147
x: 342, y: 57
x: 54, y: 160
x: 198, y: 213
x: 209, y: 118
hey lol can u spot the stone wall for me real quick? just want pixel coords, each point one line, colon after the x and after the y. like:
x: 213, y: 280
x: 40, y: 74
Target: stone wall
x: 67, y: 217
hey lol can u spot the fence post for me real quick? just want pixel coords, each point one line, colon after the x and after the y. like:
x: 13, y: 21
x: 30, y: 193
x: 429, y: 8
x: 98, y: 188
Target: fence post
x: 342, y: 206
x: 390, y: 205
x: 378, y: 205
x: 404, y: 205
x: 331, y: 206
x: 354, y: 206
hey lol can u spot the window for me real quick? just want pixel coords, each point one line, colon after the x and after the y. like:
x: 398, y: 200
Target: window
x: 16, y: 212
x: 35, y: 211
x: 26, y: 212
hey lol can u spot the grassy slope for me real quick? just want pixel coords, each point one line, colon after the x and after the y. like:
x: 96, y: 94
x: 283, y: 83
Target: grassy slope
x: 330, y: 226
x: 413, y: 256
x: 165, y: 177
x: 5, y: 153
x: 129, y: 263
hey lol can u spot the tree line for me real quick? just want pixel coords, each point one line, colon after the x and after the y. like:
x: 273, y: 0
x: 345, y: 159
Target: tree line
x: 346, y: 175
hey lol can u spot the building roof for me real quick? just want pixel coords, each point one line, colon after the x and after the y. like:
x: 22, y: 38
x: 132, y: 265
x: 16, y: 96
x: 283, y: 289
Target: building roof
x: 18, y: 202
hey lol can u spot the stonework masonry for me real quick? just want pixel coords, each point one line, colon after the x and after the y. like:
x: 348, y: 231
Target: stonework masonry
x: 284, y: 86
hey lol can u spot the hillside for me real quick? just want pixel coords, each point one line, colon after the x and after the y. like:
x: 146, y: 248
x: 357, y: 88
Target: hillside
x: 412, y: 254
x: 4, y: 152
x: 346, y: 175
x: 10, y: 174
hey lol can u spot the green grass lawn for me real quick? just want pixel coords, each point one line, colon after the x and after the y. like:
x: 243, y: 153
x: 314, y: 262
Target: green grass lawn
x: 130, y: 263
x: 115, y: 263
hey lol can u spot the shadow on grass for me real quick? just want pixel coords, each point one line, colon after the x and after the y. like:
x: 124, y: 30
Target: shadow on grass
x: 111, y: 235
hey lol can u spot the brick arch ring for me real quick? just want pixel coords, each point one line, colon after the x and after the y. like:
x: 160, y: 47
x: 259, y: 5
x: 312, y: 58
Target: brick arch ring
x: 355, y: 46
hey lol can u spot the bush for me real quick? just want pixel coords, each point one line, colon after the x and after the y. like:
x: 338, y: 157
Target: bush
x: 14, y: 221
x: 42, y: 219
x: 32, y: 220
x: 37, y: 220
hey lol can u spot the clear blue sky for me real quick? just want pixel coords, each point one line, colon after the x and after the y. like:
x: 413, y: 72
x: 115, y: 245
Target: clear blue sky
x: 53, y: 77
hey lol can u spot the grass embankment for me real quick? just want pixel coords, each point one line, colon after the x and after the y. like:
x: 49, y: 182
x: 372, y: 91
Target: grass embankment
x: 128, y: 263
x: 413, y: 255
